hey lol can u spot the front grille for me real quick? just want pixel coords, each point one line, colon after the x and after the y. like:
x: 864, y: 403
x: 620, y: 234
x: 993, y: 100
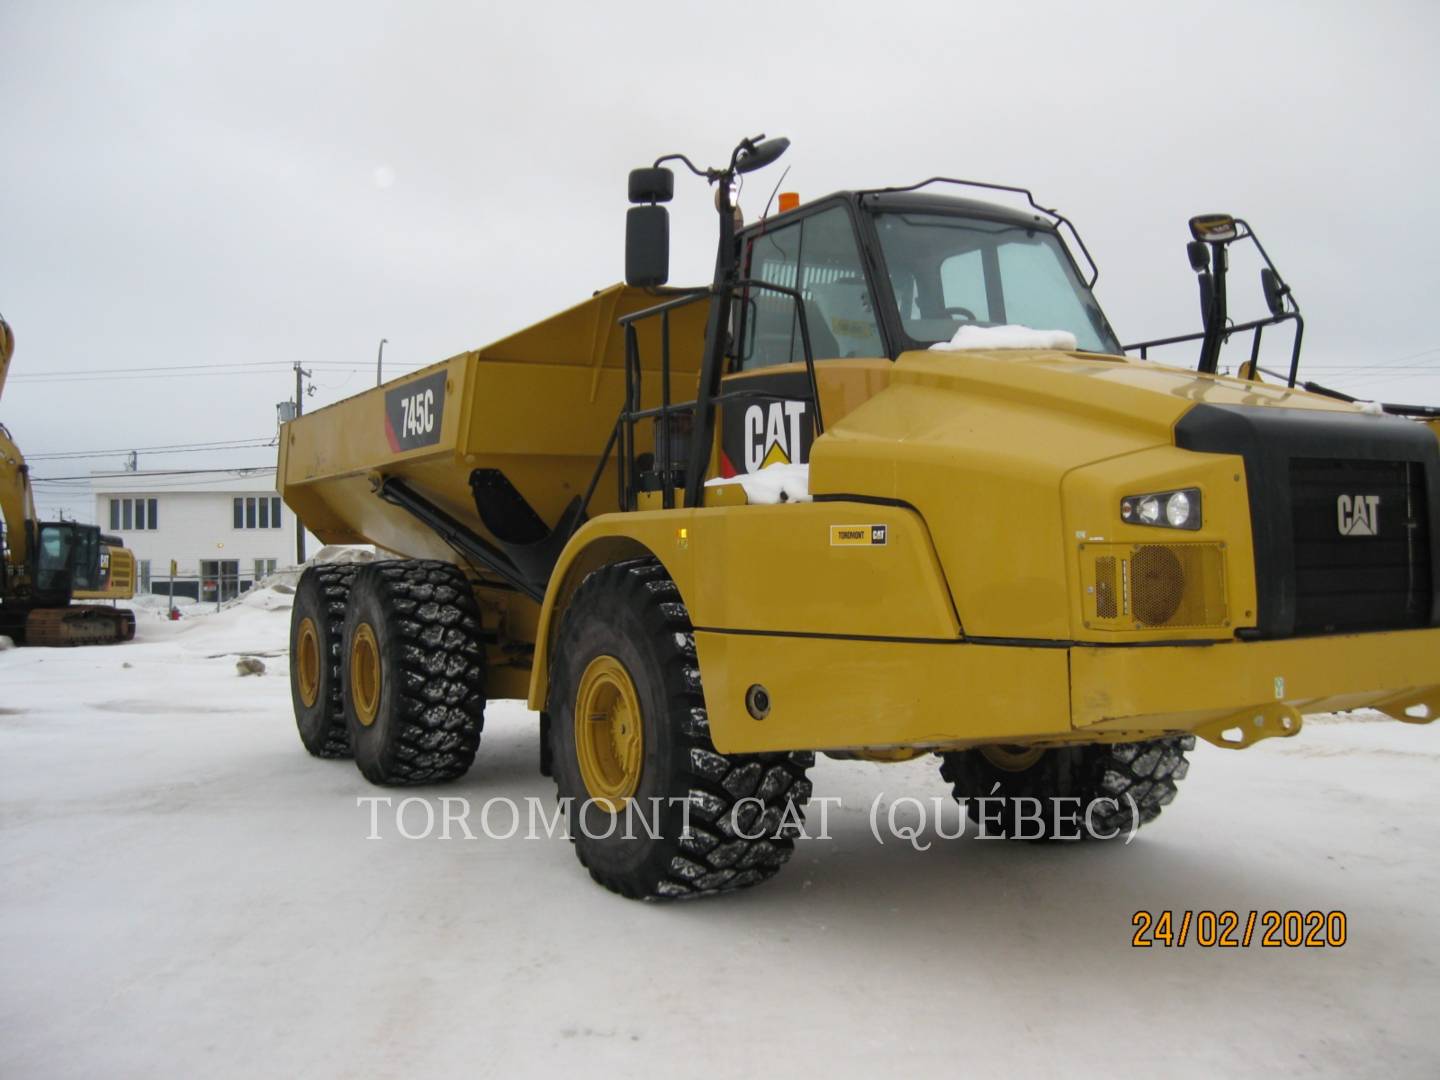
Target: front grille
x: 1361, y: 532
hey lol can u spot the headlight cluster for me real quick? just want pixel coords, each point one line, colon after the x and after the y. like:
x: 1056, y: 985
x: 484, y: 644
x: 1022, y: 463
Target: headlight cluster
x: 1164, y: 509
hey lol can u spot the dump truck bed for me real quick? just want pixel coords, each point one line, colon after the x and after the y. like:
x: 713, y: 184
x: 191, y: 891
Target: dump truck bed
x: 539, y: 405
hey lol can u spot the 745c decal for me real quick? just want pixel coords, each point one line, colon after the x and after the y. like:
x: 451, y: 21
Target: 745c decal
x: 413, y: 412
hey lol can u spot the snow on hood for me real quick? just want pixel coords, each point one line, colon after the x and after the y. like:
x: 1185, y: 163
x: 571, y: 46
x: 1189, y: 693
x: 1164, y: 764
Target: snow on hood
x: 772, y: 484
x: 1006, y: 337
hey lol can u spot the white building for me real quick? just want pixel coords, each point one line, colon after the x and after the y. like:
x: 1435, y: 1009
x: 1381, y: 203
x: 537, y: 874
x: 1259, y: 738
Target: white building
x: 223, y: 529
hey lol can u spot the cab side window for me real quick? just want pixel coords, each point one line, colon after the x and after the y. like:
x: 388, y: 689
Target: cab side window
x: 819, y: 256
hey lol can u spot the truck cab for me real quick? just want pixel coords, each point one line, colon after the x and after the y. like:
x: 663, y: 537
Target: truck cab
x: 883, y: 273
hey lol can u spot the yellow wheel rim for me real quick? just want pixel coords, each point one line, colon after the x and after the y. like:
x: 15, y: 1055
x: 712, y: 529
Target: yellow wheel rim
x: 609, y: 733
x: 365, y: 674
x: 307, y: 662
x: 1013, y: 758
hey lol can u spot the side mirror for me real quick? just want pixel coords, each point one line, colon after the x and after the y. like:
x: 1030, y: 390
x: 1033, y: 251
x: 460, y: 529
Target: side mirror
x: 647, y: 246
x: 655, y: 185
x: 1274, y: 289
x: 1199, y: 256
x: 647, y: 227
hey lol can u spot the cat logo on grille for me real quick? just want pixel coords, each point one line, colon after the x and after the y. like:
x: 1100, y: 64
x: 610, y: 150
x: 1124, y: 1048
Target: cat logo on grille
x: 1358, y: 515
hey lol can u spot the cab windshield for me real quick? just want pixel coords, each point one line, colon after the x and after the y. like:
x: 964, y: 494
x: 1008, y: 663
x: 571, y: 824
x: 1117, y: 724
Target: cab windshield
x: 947, y: 271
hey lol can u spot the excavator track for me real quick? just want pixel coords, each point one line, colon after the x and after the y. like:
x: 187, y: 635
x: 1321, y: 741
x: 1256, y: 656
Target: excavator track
x: 79, y: 624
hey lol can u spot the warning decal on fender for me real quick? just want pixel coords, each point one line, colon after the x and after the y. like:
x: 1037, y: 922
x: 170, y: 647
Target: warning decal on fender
x: 858, y: 535
x: 413, y: 413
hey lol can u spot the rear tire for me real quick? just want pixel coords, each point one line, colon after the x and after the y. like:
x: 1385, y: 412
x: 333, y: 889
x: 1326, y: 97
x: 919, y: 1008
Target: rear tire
x: 1127, y: 783
x: 627, y: 627
x: 317, y: 624
x: 413, y: 672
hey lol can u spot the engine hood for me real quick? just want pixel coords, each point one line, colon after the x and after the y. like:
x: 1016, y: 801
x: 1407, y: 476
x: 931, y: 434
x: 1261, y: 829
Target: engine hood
x: 1106, y: 386
x: 982, y: 443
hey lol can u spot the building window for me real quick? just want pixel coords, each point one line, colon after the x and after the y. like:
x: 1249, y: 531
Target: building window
x: 264, y: 568
x: 257, y: 512
x: 219, y: 579
x: 144, y: 576
x: 128, y: 514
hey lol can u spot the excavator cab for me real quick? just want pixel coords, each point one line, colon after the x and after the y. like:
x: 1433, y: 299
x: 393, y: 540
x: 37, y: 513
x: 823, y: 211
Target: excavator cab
x: 67, y: 558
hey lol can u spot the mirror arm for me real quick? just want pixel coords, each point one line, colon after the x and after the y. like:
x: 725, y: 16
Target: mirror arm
x: 707, y: 174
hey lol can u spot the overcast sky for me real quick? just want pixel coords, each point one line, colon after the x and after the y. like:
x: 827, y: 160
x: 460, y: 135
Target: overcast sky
x: 249, y: 184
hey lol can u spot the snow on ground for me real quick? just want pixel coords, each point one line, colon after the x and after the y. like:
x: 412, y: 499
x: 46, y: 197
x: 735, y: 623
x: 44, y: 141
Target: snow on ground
x: 184, y: 892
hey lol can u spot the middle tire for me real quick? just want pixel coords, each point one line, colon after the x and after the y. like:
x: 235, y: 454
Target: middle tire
x: 413, y: 672
x: 628, y: 726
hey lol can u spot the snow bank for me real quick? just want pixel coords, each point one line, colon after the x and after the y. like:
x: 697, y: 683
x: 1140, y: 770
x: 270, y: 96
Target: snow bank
x: 772, y: 484
x: 1006, y: 337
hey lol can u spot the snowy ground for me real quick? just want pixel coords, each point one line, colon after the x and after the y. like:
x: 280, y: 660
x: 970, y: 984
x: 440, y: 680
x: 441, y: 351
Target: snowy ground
x: 184, y: 892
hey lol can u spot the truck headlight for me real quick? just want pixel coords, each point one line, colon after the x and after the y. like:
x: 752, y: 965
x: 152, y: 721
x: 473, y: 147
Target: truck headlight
x: 1164, y: 509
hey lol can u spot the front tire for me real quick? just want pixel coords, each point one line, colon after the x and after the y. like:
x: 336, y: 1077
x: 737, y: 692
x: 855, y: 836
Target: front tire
x: 630, y: 750
x: 1029, y: 794
x: 413, y: 672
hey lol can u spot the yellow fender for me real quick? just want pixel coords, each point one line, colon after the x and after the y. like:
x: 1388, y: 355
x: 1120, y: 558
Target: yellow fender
x: 604, y: 540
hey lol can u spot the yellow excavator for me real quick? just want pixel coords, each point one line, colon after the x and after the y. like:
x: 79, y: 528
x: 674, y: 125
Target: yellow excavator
x: 45, y: 564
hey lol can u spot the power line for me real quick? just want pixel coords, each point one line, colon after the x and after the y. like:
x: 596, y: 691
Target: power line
x: 238, y: 471
x: 1404, y: 359
x: 1399, y: 363
x: 171, y: 448
x: 187, y: 371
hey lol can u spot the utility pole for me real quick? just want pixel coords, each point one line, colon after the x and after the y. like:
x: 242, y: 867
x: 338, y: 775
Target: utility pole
x: 380, y: 356
x: 300, y: 374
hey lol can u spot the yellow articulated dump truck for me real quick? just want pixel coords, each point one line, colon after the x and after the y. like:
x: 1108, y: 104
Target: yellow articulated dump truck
x: 888, y: 486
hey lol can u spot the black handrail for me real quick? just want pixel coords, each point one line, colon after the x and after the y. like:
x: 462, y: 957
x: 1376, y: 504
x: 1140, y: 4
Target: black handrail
x: 1255, y: 326
x: 631, y: 412
x: 1245, y: 232
x: 1059, y: 218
